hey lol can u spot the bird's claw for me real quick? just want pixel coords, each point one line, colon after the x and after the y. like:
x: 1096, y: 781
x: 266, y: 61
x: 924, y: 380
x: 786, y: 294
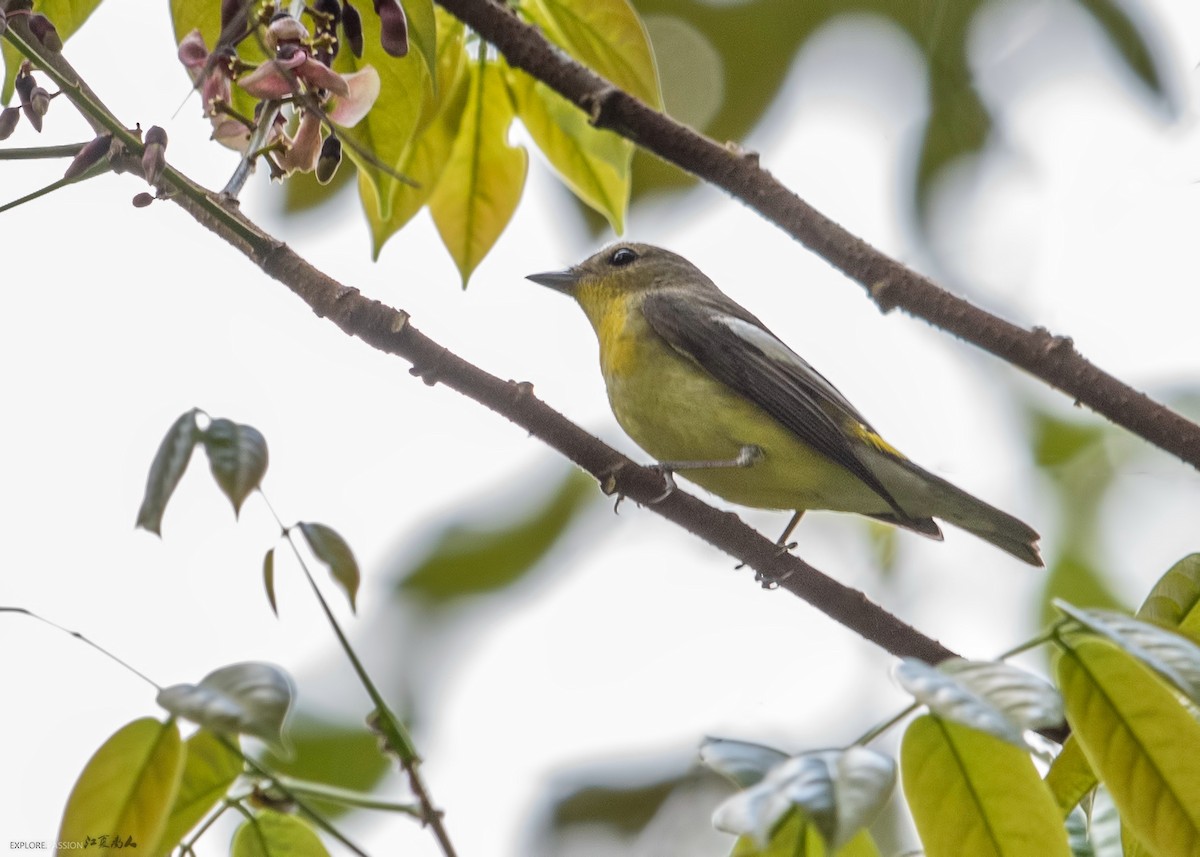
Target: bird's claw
x: 668, y: 479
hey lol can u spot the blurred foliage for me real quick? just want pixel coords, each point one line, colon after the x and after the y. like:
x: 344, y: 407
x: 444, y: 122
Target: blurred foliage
x: 653, y: 804
x: 472, y: 556
x: 1081, y: 461
x: 722, y: 35
x: 336, y: 754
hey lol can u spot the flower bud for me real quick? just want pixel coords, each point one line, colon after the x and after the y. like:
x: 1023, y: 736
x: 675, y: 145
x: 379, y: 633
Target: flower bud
x: 46, y: 33
x: 39, y: 99
x: 90, y: 155
x: 26, y: 86
x: 154, y: 155
x: 329, y: 159
x: 393, y: 35
x: 285, y: 29
x: 327, y: 14
x: 143, y: 199
x: 9, y: 117
x: 352, y: 27
x: 331, y: 10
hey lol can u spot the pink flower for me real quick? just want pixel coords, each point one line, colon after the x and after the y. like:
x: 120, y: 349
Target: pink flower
x: 211, y: 76
x: 271, y: 79
x: 349, y: 110
x: 302, y: 154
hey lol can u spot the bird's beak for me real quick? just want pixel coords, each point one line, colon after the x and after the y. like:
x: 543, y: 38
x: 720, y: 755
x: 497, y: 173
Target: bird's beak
x: 560, y: 281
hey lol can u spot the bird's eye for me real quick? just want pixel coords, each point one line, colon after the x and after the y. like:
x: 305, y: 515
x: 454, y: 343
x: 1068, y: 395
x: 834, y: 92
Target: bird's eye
x: 622, y: 256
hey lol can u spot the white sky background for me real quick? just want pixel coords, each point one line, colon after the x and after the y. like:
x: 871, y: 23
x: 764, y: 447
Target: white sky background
x: 1082, y: 218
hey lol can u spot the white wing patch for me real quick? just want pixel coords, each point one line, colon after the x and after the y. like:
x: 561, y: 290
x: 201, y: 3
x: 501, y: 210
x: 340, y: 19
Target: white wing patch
x: 774, y: 348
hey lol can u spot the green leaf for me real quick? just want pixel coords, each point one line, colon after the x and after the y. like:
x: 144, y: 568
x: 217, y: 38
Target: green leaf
x: 990, y: 696
x: 66, y: 15
x: 211, y: 768
x: 1174, y: 601
x: 972, y: 793
x: 269, y: 579
x: 237, y: 456
x: 1070, y: 776
x: 166, y: 470
x: 248, y: 698
x: 331, y: 549
x: 406, y: 90
x: 594, y: 164
x: 472, y: 557
x: 605, y: 35
x: 273, y: 834
x: 482, y: 182
x: 126, y: 790
x: 1139, y: 739
x: 426, y: 156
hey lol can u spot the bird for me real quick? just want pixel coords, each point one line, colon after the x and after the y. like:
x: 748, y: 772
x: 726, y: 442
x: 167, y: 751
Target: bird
x: 706, y: 389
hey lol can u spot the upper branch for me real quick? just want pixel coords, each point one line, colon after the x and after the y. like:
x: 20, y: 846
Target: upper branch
x: 1051, y: 358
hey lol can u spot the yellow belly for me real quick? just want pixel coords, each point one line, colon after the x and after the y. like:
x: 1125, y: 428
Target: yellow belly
x: 676, y: 411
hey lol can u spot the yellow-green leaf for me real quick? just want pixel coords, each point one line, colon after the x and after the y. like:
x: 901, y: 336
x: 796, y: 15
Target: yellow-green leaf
x: 209, y: 771
x: 67, y: 17
x: 273, y: 834
x: 1174, y: 601
x: 605, y: 35
x: 972, y: 793
x: 594, y: 164
x: 125, y: 791
x: 482, y: 182
x: 422, y: 32
x: 1139, y: 739
x: 1131, y: 846
x: 426, y: 156
x: 1070, y: 776
x: 797, y: 837
x: 405, y: 93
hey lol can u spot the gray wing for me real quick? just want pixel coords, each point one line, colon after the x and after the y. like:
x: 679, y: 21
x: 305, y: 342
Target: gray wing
x: 737, y: 349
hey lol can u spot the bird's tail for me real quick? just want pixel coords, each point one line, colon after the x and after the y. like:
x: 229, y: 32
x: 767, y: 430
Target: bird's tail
x: 931, y: 495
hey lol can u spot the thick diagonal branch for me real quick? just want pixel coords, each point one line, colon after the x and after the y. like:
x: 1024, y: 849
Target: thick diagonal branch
x: 1051, y: 358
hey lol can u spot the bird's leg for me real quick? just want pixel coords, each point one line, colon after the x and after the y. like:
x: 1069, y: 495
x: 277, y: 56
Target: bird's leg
x: 772, y: 581
x: 747, y: 456
x: 782, y: 541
